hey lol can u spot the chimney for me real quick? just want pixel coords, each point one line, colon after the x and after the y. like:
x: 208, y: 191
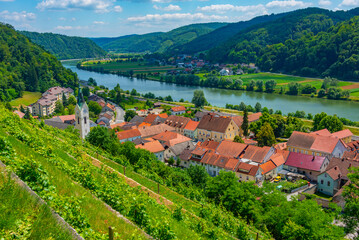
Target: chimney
x: 335, y: 167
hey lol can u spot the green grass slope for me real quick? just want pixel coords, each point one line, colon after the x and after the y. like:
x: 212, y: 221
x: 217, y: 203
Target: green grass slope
x: 61, y: 169
x: 66, y: 47
x: 156, y: 42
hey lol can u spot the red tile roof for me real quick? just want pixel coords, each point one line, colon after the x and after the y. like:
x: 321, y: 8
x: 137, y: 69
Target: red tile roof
x: 171, y: 138
x: 267, y: 167
x: 20, y: 114
x: 110, y: 106
x: 254, y: 153
x: 177, y: 121
x: 66, y: 117
x: 128, y: 134
x: 216, y: 124
x: 334, y: 173
x: 343, y: 134
x: 231, y: 149
x: 191, y: 125
x: 118, y: 125
x: 144, y: 124
x: 313, y: 141
x: 277, y: 159
x: 154, y: 130
x: 323, y: 132
x: 163, y: 115
x: 343, y: 164
x: 251, y: 118
x: 209, y: 144
x: 305, y: 161
x: 248, y: 169
x: 178, y: 109
x: 154, y: 146
x: 150, y: 118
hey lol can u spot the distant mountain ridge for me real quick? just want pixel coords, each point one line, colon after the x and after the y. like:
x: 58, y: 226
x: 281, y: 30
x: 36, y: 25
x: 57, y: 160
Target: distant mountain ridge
x: 157, y: 41
x: 66, y: 47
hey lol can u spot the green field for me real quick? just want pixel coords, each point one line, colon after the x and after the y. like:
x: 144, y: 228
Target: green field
x: 136, y: 67
x: 27, y: 99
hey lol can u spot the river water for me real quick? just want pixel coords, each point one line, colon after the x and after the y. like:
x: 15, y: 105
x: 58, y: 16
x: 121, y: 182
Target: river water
x: 219, y: 97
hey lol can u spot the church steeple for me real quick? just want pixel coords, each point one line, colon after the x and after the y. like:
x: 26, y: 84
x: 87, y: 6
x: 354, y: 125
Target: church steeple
x: 82, y: 115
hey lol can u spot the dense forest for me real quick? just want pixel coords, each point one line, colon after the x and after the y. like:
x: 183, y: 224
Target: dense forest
x: 65, y: 47
x: 311, y: 42
x: 158, y: 41
x: 26, y: 66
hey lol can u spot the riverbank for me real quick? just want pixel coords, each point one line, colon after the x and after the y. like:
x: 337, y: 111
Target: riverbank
x: 283, y: 82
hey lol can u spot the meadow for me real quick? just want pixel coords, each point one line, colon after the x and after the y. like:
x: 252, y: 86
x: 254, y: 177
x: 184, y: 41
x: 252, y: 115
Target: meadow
x: 27, y: 99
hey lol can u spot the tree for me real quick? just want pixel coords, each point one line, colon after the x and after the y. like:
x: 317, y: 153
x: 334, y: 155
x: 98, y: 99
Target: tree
x: 245, y: 124
x: 27, y: 114
x: 321, y: 93
x: 9, y: 107
x: 198, y: 98
x: 266, y: 137
x: 94, y: 107
x: 72, y: 100
x: 64, y: 100
x: 293, y: 88
x: 270, y: 85
x: 168, y: 98
x: 71, y: 109
x: 260, y: 85
x: 59, y: 108
x: 258, y: 107
x: 133, y: 92
x: 198, y: 175
x: 129, y: 115
x: 351, y: 209
x: 317, y: 118
x: 242, y: 106
x: 21, y: 109
x: 238, y: 139
x: 308, y: 89
x: 250, y: 86
x: 86, y: 91
x: 171, y: 161
x: 332, y: 123
x: 92, y: 82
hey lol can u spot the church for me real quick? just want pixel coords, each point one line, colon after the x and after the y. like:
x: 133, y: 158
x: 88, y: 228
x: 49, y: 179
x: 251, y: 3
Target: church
x: 82, y: 115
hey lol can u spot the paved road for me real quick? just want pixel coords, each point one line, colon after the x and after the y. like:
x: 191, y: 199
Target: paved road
x: 120, y: 115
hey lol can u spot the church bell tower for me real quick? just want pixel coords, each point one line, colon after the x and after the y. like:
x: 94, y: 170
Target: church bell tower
x: 82, y: 115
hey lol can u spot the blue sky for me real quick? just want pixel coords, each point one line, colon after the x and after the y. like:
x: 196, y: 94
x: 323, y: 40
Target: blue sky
x: 111, y: 18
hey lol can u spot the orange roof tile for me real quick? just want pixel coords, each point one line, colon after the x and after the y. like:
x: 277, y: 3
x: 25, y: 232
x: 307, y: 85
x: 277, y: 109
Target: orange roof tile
x: 118, y: 125
x: 67, y: 117
x: 163, y: 115
x: 153, y: 147
x: 170, y: 138
x: 229, y: 148
x: 150, y: 118
x: 178, y: 109
x: 323, y: 132
x: 20, y: 114
x: 255, y: 153
x: 277, y: 159
x: 128, y: 134
x: 343, y: 134
x: 191, y: 125
x: 144, y: 124
x: 267, y: 167
x: 248, y: 169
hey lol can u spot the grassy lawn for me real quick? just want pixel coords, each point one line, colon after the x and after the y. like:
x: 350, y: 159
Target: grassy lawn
x: 27, y: 99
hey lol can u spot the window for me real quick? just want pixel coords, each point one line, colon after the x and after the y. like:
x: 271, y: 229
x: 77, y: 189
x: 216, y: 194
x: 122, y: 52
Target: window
x: 85, y: 119
x: 328, y: 183
x: 321, y: 182
x: 247, y: 178
x: 310, y: 173
x: 78, y: 120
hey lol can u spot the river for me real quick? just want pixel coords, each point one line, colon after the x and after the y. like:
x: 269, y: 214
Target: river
x: 219, y: 97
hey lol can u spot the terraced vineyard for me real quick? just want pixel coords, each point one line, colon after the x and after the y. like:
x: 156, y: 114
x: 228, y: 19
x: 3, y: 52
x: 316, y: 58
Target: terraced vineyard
x: 90, y: 192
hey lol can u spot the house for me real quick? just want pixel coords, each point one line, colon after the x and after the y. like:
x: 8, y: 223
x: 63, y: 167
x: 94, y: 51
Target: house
x: 154, y: 130
x: 225, y: 72
x: 157, y: 105
x: 231, y: 149
x: 257, y: 155
x: 154, y: 119
x: 309, y: 165
x: 238, y: 120
x: 216, y: 128
x: 214, y: 163
x: 20, y: 114
x: 248, y: 172
x: 128, y: 135
x: 176, y: 150
x: 345, y: 135
x: 190, y: 129
x: 109, y: 107
x: 316, y: 144
x: 154, y: 147
x: 353, y: 146
x: 178, y: 110
x: 137, y: 120
x: 177, y: 122
x: 268, y: 170
x: 46, y: 104
x: 200, y: 150
x: 69, y: 119
x: 169, y: 139
x: 335, y: 177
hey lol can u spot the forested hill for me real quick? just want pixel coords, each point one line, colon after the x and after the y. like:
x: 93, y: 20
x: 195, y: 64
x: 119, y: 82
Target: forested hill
x: 220, y: 35
x: 27, y: 66
x: 65, y: 47
x: 288, y: 44
x: 157, y: 42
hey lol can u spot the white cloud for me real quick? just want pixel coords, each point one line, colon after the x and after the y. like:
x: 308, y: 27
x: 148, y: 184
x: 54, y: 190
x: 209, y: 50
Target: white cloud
x: 287, y: 4
x: 117, y: 9
x: 98, y: 22
x: 17, y: 16
x: 177, y: 17
x: 325, y: 3
x: 67, y: 28
x: 97, y: 5
x: 349, y: 3
x: 161, y: 1
x: 222, y: 8
x: 168, y: 8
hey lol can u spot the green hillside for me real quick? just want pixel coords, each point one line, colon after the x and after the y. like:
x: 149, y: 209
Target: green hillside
x: 26, y: 66
x: 77, y: 182
x: 220, y: 35
x: 156, y: 42
x: 65, y: 47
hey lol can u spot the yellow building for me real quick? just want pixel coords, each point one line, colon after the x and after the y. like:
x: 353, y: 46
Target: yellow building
x: 217, y: 128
